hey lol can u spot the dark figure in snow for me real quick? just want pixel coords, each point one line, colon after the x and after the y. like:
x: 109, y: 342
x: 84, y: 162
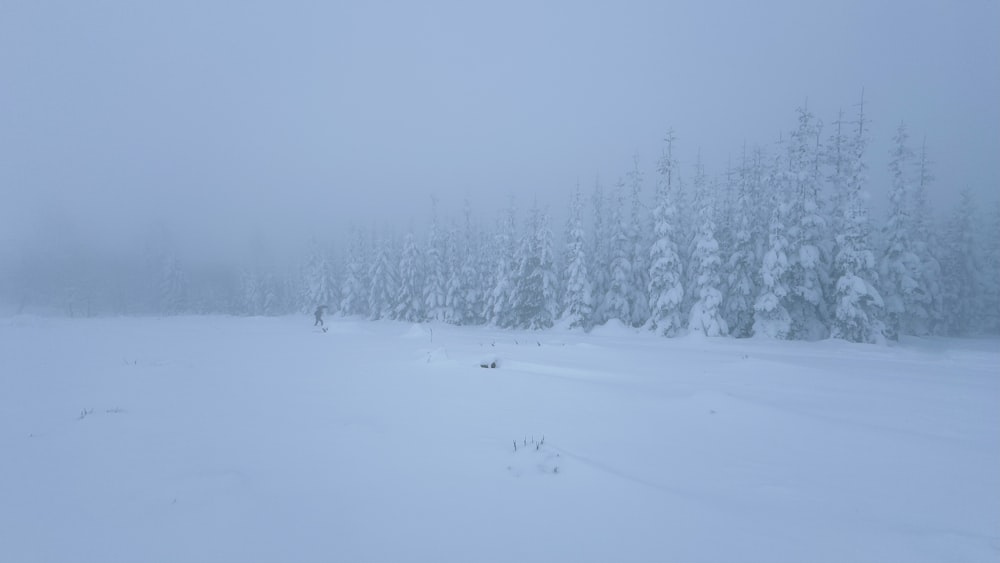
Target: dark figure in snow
x: 319, y: 315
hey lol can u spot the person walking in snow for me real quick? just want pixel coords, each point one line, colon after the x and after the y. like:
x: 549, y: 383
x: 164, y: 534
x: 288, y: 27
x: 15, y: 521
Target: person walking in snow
x: 319, y: 315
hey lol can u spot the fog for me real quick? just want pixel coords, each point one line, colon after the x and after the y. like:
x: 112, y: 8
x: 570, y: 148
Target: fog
x: 223, y: 122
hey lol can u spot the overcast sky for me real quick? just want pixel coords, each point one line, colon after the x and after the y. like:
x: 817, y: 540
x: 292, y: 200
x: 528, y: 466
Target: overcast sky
x: 287, y: 117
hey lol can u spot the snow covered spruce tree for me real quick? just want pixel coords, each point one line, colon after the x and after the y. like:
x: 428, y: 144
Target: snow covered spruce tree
x: 926, y: 245
x: 262, y: 289
x: 354, y: 290
x: 464, y: 299
x: 963, y: 273
x: 638, y: 227
x: 499, y: 297
x: 262, y: 293
x: 685, y: 229
x: 383, y: 283
x: 318, y: 285
x: 270, y: 304
x: 452, y: 284
x: 706, y: 314
x: 435, y: 284
x: 899, y: 268
x: 248, y: 299
x: 164, y: 291
x: 410, y: 293
x: 743, y: 269
x: 725, y: 208
x: 615, y: 304
x: 172, y: 286
x: 666, y: 287
x: 771, y: 319
x: 993, y: 272
x: 809, y: 246
x: 577, y: 299
x: 725, y: 202
x: 483, y: 264
x: 599, y: 253
x: 534, y: 301
x: 836, y: 161
x: 858, y: 306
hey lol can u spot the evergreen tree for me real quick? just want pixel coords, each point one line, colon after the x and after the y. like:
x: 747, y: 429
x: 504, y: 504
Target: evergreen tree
x: 546, y: 273
x: 771, y: 319
x: 963, y: 276
x: 499, y: 300
x: 600, y: 252
x: 164, y: 281
x: 615, y: 304
x: 533, y: 301
x: 900, y: 267
x: 928, y: 318
x: 858, y: 304
x: 837, y: 163
x: 725, y: 211
x: 436, y: 277
x: 466, y: 292
x: 578, y: 301
x: 317, y: 279
x: 384, y: 283
x: 455, y: 296
x: 684, y: 233
x: 173, y: 286
x: 259, y: 285
x: 993, y: 273
x: 685, y: 229
x: 743, y: 269
x: 275, y: 302
x: 706, y: 315
x: 355, y: 292
x: 250, y: 299
x: 482, y: 268
x: 638, y: 250
x: 808, y: 249
x: 666, y: 287
x: 725, y: 225
x: 409, y: 294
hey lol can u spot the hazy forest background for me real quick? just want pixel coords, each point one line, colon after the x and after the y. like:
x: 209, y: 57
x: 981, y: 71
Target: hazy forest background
x: 781, y: 241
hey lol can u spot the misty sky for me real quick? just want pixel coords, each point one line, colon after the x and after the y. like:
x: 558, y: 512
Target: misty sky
x: 221, y: 119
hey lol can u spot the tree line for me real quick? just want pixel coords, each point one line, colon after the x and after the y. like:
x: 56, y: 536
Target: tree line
x: 781, y: 244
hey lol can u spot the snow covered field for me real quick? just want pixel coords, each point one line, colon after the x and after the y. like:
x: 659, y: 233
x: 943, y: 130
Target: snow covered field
x: 262, y: 439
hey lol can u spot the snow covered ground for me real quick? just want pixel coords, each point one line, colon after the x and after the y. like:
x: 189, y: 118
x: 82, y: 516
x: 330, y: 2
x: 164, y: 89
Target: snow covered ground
x: 260, y: 439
